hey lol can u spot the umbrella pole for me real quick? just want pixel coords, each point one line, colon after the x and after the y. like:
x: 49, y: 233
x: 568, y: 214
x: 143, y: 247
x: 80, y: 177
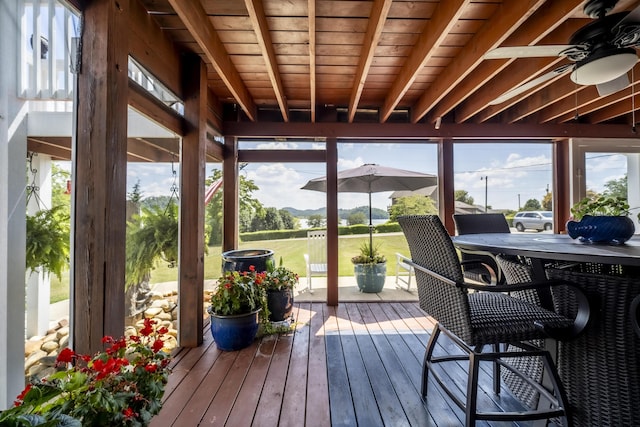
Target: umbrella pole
x: 370, y: 229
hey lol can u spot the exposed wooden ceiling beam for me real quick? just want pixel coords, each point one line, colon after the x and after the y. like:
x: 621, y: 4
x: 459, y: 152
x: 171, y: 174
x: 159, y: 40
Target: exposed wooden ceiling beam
x: 624, y: 106
x: 375, y: 24
x: 519, y: 72
x: 495, y: 30
x: 153, y: 48
x: 421, y: 132
x: 261, y: 29
x: 559, y: 88
x: 194, y: 17
x: 585, y: 100
x: 60, y: 151
x: 312, y: 58
x: 151, y: 107
x: 544, y: 26
x: 435, y: 30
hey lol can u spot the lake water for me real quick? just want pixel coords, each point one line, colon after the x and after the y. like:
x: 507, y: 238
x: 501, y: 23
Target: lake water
x: 303, y: 222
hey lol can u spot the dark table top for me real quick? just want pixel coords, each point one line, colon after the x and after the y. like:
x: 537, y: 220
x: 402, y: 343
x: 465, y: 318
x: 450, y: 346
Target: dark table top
x: 552, y: 246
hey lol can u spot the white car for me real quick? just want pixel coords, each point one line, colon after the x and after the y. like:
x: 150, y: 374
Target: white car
x: 533, y: 220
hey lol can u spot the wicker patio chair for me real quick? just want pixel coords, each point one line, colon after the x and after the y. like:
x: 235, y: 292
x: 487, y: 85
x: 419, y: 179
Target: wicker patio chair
x: 485, y: 268
x: 488, y: 316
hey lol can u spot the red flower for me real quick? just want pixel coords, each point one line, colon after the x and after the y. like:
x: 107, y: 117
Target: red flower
x: 148, y: 327
x: 66, y: 356
x: 157, y: 346
x: 107, y: 339
x: 128, y: 413
x: 21, y: 396
x: 163, y: 330
x: 134, y: 338
x: 252, y: 268
x: 151, y: 368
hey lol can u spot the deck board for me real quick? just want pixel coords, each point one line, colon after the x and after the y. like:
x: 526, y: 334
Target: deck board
x: 357, y: 364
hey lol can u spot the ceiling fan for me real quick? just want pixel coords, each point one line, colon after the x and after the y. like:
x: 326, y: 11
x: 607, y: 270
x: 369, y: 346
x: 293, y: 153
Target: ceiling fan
x: 602, y: 52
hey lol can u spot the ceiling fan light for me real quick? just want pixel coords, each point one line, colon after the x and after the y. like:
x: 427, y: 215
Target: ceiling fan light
x: 604, y: 68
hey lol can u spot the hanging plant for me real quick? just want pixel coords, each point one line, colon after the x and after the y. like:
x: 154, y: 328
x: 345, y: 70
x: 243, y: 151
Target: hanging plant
x: 48, y: 234
x: 151, y: 237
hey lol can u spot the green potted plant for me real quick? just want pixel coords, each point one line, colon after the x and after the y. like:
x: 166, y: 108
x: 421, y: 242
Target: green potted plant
x: 122, y: 385
x: 370, y: 268
x: 47, y: 243
x: 603, y: 219
x: 234, y: 309
x: 152, y: 236
x: 279, y: 284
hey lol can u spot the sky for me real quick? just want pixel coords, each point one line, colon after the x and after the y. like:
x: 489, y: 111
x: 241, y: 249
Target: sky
x: 515, y: 172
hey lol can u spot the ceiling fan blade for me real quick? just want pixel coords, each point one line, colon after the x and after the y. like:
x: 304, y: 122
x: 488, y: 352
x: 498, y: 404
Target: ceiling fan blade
x: 612, y: 86
x: 531, y: 84
x: 627, y: 30
x: 526, y: 51
x: 632, y: 17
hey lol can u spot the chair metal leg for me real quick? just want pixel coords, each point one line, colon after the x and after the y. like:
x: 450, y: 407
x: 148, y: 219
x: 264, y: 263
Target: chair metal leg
x: 496, y: 370
x: 426, y: 364
x: 472, y: 391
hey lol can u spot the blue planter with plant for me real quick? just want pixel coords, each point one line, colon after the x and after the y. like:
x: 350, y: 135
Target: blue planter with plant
x: 235, y: 306
x: 279, y: 284
x: 601, y: 220
x: 234, y: 332
x: 370, y: 269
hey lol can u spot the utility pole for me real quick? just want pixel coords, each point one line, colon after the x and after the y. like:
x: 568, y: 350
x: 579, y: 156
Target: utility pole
x: 486, y: 187
x: 518, y: 201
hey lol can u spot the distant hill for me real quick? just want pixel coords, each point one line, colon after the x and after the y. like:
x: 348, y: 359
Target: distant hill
x: 376, y: 213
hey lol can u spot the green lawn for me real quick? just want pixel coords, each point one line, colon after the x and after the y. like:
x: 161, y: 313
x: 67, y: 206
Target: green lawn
x: 291, y: 251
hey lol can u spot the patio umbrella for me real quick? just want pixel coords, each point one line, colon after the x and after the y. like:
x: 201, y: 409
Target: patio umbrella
x: 372, y: 178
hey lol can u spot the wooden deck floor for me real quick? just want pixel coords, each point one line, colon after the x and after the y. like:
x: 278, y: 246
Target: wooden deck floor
x: 358, y: 364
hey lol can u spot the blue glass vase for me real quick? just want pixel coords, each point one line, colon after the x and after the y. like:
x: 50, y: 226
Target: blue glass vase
x: 602, y: 229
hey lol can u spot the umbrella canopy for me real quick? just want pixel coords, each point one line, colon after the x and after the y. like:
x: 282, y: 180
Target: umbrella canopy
x: 372, y: 178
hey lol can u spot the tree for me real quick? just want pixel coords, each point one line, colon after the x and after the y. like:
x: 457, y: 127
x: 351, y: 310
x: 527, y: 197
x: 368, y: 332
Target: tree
x: 288, y: 221
x: 463, y: 196
x: 136, y: 194
x: 59, y: 189
x: 616, y: 187
x: 532, y: 205
x: 547, y: 202
x: 412, y: 205
x: 356, y: 218
x: 248, y: 206
x: 316, y: 221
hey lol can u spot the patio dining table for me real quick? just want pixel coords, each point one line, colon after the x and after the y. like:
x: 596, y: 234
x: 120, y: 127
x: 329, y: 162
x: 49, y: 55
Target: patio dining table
x: 600, y: 369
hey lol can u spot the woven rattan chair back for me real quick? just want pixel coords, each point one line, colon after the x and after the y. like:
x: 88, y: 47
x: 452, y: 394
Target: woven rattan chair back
x: 481, y: 223
x: 432, y: 248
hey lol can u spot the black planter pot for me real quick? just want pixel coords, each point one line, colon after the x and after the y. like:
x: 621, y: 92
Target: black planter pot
x: 280, y: 304
x: 241, y: 260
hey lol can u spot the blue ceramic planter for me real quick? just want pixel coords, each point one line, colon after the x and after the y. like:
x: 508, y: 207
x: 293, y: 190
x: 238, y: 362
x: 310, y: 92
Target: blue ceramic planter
x: 602, y: 229
x: 236, y: 332
x: 370, y: 277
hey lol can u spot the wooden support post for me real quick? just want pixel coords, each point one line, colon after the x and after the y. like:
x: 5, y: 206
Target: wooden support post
x: 231, y: 204
x: 332, y: 221
x: 561, y: 187
x: 192, y: 176
x: 447, y: 204
x: 100, y: 171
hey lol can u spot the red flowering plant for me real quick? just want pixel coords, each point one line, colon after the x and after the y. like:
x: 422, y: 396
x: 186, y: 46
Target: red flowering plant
x: 122, y: 385
x: 238, y: 293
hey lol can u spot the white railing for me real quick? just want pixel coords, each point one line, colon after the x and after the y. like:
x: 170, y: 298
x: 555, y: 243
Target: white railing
x: 45, y: 66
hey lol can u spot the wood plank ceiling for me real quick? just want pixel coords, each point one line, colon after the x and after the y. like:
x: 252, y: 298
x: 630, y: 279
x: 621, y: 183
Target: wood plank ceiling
x: 388, y: 60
